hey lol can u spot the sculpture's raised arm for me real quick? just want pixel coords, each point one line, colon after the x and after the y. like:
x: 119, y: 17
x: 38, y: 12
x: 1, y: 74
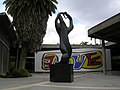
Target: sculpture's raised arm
x: 56, y: 21
x: 59, y: 23
x: 70, y: 22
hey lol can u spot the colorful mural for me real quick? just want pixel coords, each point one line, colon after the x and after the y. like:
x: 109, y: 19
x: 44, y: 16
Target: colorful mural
x: 86, y: 60
x: 48, y: 59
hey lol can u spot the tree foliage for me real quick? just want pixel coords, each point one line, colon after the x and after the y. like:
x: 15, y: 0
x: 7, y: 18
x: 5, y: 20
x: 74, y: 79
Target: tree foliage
x: 30, y: 19
x: 84, y: 43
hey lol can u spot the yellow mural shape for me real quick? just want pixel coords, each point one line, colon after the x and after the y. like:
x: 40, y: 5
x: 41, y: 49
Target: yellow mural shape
x: 93, y: 60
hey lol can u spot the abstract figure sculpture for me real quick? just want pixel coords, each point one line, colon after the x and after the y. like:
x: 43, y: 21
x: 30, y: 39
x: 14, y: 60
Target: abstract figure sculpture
x: 63, y: 32
x: 63, y: 72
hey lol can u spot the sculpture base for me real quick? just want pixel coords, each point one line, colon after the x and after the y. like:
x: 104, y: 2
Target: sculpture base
x: 61, y: 73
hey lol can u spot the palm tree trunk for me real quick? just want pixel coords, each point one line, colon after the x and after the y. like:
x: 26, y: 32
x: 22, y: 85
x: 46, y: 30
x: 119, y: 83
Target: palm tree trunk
x: 22, y: 57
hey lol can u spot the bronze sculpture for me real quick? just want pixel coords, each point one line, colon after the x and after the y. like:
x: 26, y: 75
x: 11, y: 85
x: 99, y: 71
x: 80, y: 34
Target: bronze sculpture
x: 63, y: 32
x: 63, y: 71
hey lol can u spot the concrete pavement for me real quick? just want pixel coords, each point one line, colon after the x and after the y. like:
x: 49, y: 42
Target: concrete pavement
x: 82, y: 81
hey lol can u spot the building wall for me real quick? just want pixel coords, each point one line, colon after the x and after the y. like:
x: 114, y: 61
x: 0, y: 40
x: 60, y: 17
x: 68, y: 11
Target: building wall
x: 85, y: 59
x: 4, y: 53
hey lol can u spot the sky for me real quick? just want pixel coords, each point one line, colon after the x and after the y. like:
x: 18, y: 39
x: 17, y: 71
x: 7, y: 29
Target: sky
x: 85, y: 14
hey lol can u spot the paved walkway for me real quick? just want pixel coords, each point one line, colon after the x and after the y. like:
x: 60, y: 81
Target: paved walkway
x: 82, y: 81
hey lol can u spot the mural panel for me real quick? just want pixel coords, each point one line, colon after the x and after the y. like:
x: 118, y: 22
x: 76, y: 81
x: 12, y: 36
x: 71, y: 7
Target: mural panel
x: 86, y: 60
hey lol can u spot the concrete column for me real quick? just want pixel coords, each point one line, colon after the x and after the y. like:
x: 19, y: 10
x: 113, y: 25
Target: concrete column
x: 95, y: 41
x: 17, y: 58
x: 2, y: 64
x: 104, y: 58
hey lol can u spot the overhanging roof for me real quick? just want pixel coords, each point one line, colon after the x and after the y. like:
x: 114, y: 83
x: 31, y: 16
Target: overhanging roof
x: 46, y: 47
x: 107, y: 30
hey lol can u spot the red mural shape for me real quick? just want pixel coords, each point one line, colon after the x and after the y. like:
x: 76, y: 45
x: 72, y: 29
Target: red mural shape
x: 93, y: 60
x: 47, y: 60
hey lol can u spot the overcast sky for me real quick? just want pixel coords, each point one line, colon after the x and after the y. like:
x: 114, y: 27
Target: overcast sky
x: 85, y: 14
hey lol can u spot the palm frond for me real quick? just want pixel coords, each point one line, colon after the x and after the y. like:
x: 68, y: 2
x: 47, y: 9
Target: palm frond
x: 30, y: 19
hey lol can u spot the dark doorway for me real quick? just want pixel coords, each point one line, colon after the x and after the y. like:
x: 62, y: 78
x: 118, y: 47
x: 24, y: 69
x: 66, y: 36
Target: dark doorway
x: 30, y: 62
x: 115, y: 53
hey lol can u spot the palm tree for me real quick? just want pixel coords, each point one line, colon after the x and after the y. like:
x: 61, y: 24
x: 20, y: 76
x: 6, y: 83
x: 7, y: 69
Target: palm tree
x: 30, y: 21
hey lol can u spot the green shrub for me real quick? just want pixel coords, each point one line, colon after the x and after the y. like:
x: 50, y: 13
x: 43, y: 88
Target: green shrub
x: 20, y: 73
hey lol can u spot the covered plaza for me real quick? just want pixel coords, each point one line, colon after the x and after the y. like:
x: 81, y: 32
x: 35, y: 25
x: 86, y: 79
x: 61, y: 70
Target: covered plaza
x: 108, y: 30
